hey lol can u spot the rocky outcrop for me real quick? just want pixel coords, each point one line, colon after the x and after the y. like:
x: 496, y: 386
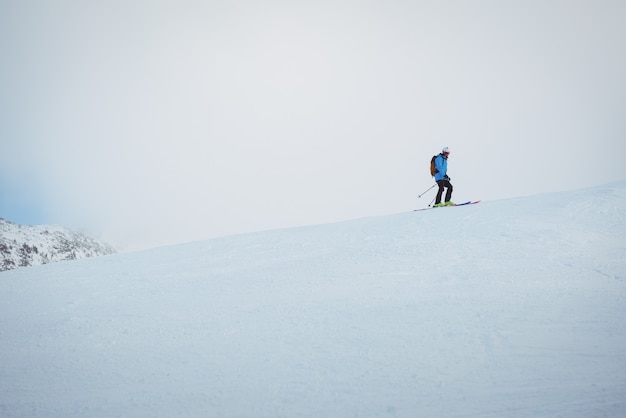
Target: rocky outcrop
x: 22, y: 246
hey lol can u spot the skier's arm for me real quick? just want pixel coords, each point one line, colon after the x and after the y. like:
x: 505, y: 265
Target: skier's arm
x: 439, y: 165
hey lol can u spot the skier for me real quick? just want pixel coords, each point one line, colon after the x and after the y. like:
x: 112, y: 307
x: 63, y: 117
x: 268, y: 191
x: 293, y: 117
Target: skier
x: 442, y: 179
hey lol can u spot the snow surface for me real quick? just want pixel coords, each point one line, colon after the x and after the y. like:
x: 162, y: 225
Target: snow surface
x: 511, y: 308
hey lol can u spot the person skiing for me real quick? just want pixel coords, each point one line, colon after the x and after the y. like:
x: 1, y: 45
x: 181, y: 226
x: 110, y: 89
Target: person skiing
x: 442, y: 178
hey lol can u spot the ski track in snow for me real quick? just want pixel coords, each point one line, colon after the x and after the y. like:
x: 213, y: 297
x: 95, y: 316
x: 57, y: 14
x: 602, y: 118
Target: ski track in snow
x: 512, y: 308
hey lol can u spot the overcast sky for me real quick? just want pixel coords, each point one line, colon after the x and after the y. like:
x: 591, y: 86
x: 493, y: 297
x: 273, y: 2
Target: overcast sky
x: 147, y: 123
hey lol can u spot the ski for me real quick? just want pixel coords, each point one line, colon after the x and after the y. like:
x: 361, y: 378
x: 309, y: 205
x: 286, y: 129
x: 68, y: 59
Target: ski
x: 469, y: 202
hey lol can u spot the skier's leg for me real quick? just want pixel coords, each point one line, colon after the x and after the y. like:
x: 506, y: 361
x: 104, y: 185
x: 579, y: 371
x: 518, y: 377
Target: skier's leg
x: 449, y: 191
x: 440, y: 183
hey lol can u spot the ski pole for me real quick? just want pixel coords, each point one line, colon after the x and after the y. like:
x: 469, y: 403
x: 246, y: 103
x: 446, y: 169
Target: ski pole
x: 426, y: 191
x: 431, y: 202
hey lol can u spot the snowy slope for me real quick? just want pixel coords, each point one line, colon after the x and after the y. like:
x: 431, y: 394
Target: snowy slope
x: 510, y: 308
x: 24, y: 245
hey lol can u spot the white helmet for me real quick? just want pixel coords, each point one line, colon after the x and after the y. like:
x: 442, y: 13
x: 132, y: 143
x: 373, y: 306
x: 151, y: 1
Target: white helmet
x: 445, y: 150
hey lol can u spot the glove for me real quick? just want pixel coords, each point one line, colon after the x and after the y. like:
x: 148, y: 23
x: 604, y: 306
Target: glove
x: 446, y: 177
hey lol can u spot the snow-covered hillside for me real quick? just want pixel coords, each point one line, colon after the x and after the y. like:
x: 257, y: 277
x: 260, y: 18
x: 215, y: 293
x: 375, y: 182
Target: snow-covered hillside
x: 511, y: 308
x: 22, y: 245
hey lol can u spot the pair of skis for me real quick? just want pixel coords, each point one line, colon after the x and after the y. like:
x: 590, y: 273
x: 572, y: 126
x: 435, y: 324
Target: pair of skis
x: 469, y: 202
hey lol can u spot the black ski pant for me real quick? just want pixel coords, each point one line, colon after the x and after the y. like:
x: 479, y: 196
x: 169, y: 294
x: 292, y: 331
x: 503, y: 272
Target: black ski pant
x: 443, y: 184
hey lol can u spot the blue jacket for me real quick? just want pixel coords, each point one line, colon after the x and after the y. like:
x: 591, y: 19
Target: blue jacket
x: 441, y: 164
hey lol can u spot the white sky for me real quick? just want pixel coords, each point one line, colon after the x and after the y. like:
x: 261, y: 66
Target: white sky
x: 154, y: 122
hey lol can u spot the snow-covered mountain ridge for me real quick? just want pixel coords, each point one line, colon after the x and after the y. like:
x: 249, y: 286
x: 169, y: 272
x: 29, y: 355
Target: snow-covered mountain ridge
x: 511, y: 308
x: 23, y: 245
